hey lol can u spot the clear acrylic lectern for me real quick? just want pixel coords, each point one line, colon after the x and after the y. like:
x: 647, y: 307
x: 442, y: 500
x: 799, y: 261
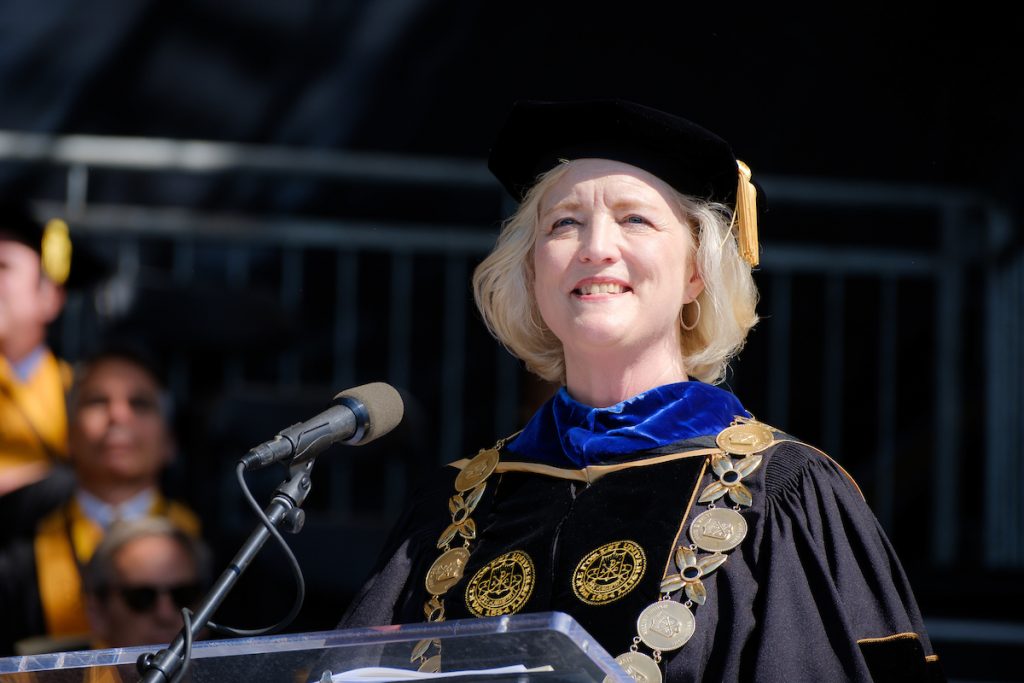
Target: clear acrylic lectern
x: 549, y: 646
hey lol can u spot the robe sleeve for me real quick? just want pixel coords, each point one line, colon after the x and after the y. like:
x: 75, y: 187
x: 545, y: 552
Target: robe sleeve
x: 20, y: 612
x: 383, y: 599
x: 834, y: 602
x: 22, y: 509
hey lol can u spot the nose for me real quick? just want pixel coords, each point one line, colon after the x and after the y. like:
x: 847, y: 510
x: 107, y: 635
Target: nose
x: 599, y: 242
x: 120, y: 411
x: 165, y: 611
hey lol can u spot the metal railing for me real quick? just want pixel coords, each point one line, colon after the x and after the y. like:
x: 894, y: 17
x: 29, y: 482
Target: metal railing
x: 963, y: 236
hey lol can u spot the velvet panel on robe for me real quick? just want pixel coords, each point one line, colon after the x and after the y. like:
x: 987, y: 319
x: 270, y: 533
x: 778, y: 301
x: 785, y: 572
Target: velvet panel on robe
x: 33, y: 431
x: 33, y: 418
x: 813, y: 593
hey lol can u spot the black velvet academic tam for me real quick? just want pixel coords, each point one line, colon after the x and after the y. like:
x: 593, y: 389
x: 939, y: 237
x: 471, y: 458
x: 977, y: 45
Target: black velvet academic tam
x: 813, y: 593
x: 537, y: 135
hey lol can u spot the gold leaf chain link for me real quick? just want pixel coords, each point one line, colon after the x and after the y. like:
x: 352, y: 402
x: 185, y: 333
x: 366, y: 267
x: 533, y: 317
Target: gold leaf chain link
x: 448, y: 568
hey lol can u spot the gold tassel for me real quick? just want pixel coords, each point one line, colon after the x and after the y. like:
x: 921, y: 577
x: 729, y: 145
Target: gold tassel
x: 746, y: 216
x: 55, y: 251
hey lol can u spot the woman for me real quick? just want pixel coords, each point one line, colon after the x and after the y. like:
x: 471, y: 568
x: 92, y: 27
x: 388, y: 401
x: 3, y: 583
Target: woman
x: 676, y: 529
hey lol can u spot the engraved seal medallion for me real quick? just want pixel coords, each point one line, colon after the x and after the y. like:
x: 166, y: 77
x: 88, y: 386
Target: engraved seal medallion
x: 665, y: 625
x: 502, y: 586
x: 446, y: 570
x: 718, y: 530
x: 639, y: 666
x: 609, y: 572
x: 476, y: 470
x: 745, y: 438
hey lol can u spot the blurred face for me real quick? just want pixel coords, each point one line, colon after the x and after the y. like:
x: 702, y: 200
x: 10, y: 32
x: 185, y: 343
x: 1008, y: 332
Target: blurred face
x: 140, y: 608
x: 613, y: 260
x: 117, y: 432
x: 28, y: 301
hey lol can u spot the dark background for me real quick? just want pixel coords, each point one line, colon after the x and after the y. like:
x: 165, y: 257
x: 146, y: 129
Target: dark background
x: 893, y: 95
x: 905, y: 93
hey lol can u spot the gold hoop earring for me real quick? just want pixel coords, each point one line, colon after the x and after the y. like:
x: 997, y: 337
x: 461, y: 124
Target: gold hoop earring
x: 693, y: 326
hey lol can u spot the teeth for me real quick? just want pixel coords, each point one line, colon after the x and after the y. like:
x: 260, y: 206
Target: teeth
x: 602, y: 288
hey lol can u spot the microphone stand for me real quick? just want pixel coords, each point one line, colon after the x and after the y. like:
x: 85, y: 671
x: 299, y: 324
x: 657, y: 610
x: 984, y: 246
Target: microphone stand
x: 283, y: 511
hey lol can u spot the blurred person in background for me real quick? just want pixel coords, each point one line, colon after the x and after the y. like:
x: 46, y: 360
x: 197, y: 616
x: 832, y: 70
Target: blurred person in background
x: 35, y: 270
x: 140, y: 577
x: 120, y: 442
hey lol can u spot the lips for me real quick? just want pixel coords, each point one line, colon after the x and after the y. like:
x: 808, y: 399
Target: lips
x: 593, y: 286
x: 117, y: 443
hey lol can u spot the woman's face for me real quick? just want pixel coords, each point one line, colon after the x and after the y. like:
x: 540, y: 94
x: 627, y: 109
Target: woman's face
x: 613, y: 260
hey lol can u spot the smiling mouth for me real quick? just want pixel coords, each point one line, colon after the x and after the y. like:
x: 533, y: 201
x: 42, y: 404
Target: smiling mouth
x: 601, y: 288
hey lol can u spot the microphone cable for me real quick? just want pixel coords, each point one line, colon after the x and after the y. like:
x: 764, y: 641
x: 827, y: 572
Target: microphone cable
x: 300, y: 581
x: 300, y: 593
x: 186, y: 657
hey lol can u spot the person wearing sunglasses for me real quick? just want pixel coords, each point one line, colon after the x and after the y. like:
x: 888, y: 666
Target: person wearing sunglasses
x: 140, y: 577
x: 121, y: 441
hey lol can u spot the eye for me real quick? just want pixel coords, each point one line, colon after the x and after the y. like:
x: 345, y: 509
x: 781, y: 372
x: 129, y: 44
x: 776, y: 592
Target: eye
x: 144, y: 404
x: 634, y: 219
x: 563, y: 223
x: 92, y: 400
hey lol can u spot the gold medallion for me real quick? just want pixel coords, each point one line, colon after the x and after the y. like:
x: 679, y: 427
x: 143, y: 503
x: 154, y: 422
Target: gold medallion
x: 446, y: 570
x: 639, y: 667
x: 745, y: 438
x: 502, y: 586
x: 665, y: 625
x: 608, y: 573
x: 476, y: 470
x: 718, y: 530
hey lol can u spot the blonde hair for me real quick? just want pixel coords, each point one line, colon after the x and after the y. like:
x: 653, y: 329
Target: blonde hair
x: 503, y: 289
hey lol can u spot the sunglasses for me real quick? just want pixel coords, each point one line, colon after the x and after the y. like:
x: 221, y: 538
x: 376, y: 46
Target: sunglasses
x: 143, y: 598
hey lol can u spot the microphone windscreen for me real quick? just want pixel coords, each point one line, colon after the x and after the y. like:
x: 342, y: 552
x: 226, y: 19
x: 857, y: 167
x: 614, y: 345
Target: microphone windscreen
x: 383, y: 404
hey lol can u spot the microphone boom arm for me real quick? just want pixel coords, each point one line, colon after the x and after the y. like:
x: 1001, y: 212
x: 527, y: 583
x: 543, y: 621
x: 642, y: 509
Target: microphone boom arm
x: 288, y: 498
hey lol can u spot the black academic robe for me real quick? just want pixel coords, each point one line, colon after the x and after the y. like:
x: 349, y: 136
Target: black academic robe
x: 21, y: 612
x: 814, y: 592
x: 21, y: 509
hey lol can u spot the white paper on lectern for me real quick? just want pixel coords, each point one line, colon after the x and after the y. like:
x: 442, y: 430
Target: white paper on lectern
x: 379, y: 674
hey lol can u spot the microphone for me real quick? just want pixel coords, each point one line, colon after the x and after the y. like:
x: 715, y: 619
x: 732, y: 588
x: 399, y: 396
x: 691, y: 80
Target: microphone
x: 358, y: 416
